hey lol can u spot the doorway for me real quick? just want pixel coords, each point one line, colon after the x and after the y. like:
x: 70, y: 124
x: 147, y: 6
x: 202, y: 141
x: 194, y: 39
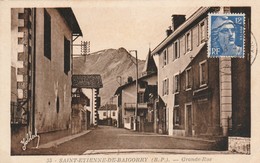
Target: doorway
x: 188, y: 119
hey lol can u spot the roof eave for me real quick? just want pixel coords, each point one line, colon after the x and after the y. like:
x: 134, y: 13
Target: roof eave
x: 197, y: 14
x: 71, y: 20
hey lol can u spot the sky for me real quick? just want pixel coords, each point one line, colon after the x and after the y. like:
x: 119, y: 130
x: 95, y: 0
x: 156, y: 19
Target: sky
x: 134, y: 26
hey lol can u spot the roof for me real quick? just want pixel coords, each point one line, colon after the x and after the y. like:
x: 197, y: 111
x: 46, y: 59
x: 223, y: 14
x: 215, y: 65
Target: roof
x: 108, y: 107
x: 71, y: 20
x: 188, y: 22
x: 149, y: 65
x: 87, y: 81
x: 134, y: 82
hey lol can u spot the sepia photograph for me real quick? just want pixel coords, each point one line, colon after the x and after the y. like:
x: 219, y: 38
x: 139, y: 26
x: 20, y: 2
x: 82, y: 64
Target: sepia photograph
x: 121, y: 81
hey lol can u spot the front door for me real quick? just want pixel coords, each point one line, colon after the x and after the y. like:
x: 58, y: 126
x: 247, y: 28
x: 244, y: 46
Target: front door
x: 188, y: 126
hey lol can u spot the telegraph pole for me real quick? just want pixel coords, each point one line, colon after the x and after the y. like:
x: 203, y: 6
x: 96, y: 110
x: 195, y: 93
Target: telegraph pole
x: 136, y: 107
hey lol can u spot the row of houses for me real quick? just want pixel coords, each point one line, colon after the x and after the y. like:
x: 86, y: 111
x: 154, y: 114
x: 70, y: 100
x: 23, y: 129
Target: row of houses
x: 47, y: 99
x: 187, y: 93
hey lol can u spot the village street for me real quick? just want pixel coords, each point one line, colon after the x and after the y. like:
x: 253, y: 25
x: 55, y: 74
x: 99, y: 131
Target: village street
x: 112, y: 140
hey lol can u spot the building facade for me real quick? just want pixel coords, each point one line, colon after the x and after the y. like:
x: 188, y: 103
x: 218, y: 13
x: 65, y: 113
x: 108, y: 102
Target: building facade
x: 127, y: 98
x: 108, y: 115
x: 41, y: 59
x: 80, y: 116
x: 201, y: 96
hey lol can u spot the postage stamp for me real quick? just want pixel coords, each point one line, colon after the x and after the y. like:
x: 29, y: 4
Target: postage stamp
x: 226, y: 35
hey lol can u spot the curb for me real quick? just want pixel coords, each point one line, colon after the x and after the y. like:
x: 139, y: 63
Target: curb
x: 62, y: 140
x: 152, y: 151
x: 175, y: 137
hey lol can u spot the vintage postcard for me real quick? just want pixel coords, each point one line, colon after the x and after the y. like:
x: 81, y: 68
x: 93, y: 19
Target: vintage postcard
x: 129, y: 81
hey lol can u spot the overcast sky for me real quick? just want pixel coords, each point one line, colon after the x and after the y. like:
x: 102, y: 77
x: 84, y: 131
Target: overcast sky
x: 130, y: 25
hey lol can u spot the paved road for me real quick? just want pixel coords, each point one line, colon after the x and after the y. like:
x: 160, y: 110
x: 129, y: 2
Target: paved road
x: 112, y: 139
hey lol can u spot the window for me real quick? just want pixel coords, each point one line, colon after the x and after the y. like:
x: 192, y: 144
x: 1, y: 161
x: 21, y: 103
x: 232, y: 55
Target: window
x: 141, y: 97
x: 203, y: 73
x: 165, y: 57
x: 188, y: 79
x: 66, y: 55
x: 47, y: 35
x: 18, y: 115
x: 104, y: 114
x: 176, y: 84
x: 182, y: 45
x: 166, y: 86
x: 188, y: 42
x: 176, y: 52
x: 114, y: 113
x: 202, y: 32
x: 58, y: 105
x: 176, y: 116
x: 87, y: 102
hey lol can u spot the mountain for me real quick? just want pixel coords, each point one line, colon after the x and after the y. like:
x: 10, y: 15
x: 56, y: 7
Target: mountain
x: 109, y: 63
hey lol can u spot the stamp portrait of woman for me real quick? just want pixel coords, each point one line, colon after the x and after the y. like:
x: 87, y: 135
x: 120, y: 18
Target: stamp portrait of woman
x: 223, y: 37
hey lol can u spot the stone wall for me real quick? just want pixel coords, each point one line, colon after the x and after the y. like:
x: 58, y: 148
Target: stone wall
x: 239, y: 145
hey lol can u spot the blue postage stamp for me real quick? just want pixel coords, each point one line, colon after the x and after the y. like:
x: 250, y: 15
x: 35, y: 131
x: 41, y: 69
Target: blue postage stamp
x: 226, y: 35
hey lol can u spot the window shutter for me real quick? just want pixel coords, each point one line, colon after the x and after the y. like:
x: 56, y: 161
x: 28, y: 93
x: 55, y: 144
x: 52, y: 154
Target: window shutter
x: 191, y: 41
x: 206, y: 72
x: 167, y: 80
x: 163, y: 87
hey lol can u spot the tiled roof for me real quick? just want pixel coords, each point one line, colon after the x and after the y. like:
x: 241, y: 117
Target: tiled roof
x: 87, y: 81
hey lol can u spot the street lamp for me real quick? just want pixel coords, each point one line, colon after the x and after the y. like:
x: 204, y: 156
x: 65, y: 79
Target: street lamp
x: 136, y: 107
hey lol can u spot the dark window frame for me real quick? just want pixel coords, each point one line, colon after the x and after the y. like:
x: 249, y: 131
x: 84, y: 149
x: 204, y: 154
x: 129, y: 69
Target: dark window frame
x: 176, y: 50
x: 176, y: 83
x: 203, y: 73
x: 188, y: 40
x: 166, y: 86
x: 202, y: 33
x: 165, y: 57
x: 66, y: 55
x: 188, y: 77
x: 141, y: 97
x: 47, y: 35
x: 176, y: 116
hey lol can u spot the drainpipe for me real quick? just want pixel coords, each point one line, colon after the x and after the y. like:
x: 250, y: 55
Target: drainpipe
x: 33, y: 67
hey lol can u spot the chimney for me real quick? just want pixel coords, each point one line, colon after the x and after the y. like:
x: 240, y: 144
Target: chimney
x: 129, y: 79
x: 169, y: 31
x: 177, y: 20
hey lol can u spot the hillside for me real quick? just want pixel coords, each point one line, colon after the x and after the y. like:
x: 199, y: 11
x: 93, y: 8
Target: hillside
x: 109, y: 63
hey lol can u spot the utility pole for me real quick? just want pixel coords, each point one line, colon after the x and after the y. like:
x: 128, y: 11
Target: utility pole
x: 136, y: 107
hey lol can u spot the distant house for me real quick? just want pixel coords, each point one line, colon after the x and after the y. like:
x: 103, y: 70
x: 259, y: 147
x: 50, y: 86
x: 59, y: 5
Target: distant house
x: 80, y: 116
x: 89, y: 86
x: 108, y: 114
x: 127, y: 97
x: 202, y: 96
x: 41, y: 58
